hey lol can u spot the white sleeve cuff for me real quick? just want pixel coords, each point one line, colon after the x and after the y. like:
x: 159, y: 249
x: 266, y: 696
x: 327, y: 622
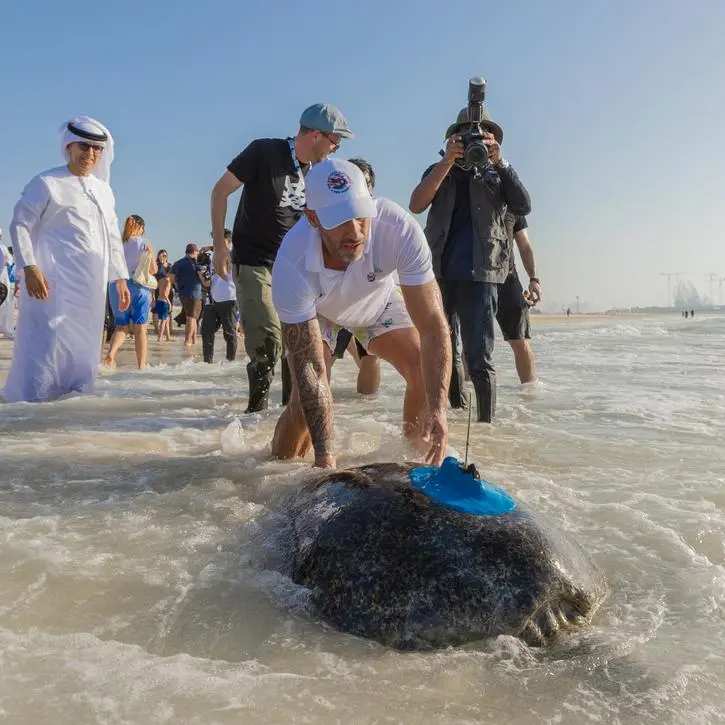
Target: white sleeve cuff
x: 416, y: 280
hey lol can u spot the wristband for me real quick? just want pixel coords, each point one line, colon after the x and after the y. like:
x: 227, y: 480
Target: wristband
x: 535, y: 279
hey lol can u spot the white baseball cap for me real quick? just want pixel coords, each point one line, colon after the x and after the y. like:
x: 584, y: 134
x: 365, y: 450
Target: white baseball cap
x: 337, y: 191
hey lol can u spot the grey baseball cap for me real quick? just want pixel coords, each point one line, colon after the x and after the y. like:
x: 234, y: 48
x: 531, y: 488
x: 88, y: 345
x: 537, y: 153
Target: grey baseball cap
x: 326, y: 118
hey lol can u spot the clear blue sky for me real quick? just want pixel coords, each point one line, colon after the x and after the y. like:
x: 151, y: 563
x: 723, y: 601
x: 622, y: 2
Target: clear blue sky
x: 612, y: 111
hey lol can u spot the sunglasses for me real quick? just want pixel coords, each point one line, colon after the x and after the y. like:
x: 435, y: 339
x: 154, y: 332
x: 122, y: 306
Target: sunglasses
x: 335, y: 144
x: 89, y: 147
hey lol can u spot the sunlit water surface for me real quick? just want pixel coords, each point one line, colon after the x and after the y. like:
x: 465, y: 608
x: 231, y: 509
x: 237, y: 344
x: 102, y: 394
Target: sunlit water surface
x: 140, y: 582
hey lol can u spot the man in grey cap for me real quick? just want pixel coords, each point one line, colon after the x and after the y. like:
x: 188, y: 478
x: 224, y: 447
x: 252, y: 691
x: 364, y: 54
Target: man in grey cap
x: 272, y: 171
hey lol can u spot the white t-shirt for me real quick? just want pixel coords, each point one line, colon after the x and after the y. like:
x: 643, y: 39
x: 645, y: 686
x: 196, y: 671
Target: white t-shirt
x: 302, y: 287
x: 132, y: 250
x: 222, y: 290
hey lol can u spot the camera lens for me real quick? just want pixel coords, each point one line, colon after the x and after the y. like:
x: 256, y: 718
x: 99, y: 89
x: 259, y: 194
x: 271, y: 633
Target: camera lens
x: 476, y: 153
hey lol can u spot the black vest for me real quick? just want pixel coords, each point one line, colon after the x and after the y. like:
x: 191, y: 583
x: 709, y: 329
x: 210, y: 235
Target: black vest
x: 492, y: 244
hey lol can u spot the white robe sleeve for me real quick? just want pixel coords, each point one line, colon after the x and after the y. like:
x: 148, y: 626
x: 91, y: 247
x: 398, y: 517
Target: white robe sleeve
x: 26, y: 217
x: 117, y: 267
x: 3, y: 257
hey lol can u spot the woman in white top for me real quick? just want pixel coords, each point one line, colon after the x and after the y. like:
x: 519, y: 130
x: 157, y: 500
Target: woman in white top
x: 136, y: 317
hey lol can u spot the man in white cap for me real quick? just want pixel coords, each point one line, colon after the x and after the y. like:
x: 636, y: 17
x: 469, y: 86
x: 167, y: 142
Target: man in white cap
x: 272, y: 171
x: 68, y: 245
x: 336, y: 269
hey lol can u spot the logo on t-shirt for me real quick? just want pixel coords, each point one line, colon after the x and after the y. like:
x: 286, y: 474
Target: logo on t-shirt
x: 371, y: 276
x: 338, y: 182
x: 293, y: 194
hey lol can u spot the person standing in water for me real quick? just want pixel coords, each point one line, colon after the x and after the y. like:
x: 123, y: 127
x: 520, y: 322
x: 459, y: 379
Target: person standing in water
x: 67, y: 243
x: 135, y: 318
x: 272, y: 172
x: 162, y: 270
x: 7, y: 301
x: 185, y: 275
x: 162, y: 309
x: 220, y: 310
x: 466, y: 230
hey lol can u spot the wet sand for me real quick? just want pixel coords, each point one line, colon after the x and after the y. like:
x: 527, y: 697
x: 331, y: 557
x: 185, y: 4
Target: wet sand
x: 169, y: 353
x: 174, y: 352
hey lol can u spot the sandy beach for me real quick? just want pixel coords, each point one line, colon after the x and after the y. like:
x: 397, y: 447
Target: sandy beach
x: 171, y: 353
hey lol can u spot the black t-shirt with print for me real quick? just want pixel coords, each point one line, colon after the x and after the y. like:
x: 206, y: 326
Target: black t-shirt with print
x: 272, y: 200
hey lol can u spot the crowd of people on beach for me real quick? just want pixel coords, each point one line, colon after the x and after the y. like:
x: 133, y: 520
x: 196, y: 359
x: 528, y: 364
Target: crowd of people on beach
x: 316, y: 264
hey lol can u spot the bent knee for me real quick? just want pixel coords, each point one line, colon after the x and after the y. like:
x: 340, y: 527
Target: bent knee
x: 411, y: 368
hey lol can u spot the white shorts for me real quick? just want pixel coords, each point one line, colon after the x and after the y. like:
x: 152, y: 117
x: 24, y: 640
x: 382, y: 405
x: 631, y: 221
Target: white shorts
x: 394, y: 317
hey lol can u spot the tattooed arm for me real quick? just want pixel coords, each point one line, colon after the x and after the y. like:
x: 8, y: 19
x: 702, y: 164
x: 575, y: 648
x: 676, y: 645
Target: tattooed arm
x: 307, y: 363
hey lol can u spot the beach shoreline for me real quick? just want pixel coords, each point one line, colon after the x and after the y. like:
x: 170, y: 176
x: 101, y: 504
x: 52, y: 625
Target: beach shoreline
x: 586, y: 317
x: 174, y: 352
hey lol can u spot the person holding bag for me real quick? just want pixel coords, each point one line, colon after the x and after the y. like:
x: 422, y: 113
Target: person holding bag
x: 141, y: 259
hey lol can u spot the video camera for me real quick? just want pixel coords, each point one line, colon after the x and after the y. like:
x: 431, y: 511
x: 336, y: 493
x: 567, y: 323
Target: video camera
x: 475, y: 152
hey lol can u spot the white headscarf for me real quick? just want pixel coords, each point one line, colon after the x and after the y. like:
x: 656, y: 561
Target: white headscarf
x: 89, y: 126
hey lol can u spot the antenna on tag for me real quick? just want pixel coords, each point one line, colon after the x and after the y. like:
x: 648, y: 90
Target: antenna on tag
x: 468, y: 433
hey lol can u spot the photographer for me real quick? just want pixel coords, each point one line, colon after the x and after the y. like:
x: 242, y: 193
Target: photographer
x: 466, y: 231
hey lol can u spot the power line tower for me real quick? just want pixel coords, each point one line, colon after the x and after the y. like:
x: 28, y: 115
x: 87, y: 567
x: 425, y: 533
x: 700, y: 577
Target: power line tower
x: 713, y: 278
x: 670, y: 275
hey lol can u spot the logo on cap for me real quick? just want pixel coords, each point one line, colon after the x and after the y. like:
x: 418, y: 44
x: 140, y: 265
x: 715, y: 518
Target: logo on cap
x: 338, y: 182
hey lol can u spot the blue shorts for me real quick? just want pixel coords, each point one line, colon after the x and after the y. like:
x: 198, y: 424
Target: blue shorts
x: 162, y: 309
x: 138, y: 311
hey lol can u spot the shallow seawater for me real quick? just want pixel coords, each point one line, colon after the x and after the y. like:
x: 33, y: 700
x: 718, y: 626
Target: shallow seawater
x: 141, y: 584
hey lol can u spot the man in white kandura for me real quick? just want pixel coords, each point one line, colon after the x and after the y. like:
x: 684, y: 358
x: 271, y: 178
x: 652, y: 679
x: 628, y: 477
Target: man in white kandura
x: 67, y: 243
x: 336, y: 268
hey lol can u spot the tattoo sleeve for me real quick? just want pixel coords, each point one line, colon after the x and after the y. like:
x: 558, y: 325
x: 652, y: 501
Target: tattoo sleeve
x: 303, y: 342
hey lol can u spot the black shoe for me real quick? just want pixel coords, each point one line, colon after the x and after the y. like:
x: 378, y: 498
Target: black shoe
x: 260, y: 381
x: 485, y: 398
x: 456, y: 397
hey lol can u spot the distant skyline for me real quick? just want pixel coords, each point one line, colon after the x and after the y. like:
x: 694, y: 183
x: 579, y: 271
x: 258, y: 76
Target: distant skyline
x: 612, y: 113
